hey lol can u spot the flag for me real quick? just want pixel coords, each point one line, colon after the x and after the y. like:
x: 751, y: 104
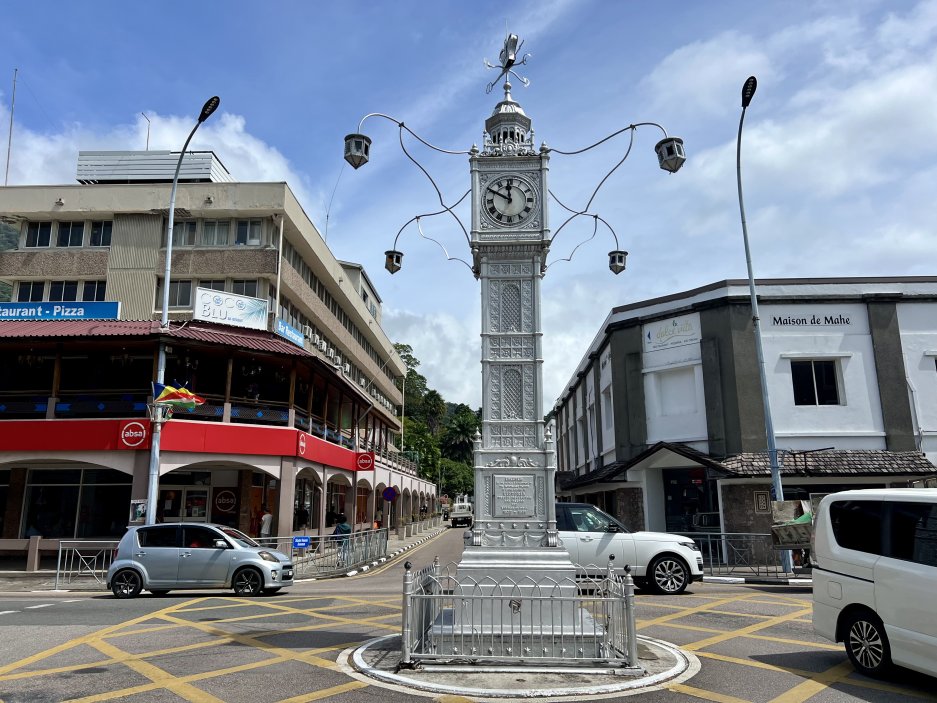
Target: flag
x: 178, y: 397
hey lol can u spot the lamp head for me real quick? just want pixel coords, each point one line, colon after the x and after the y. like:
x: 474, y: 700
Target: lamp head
x: 357, y: 150
x: 209, y: 107
x: 616, y: 261
x: 748, y: 90
x: 393, y: 260
x: 670, y: 153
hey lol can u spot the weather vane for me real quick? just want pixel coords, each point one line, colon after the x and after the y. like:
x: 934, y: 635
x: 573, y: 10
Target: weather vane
x: 508, y: 57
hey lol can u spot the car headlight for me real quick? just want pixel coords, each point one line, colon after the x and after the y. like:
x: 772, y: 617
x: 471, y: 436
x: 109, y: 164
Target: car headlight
x: 690, y: 545
x: 267, y: 556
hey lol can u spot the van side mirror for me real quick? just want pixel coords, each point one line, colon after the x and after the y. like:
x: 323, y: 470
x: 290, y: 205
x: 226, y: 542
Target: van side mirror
x: 220, y: 544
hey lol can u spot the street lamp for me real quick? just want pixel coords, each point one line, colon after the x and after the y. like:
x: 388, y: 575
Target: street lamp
x: 748, y: 92
x: 159, y: 415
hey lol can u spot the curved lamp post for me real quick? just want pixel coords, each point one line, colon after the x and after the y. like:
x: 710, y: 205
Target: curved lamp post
x: 159, y: 414
x: 748, y: 92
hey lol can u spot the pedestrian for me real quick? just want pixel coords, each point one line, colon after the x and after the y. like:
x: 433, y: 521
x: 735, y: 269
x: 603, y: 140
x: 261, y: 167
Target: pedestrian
x: 303, y: 517
x: 379, y: 518
x: 340, y: 534
x: 266, y: 522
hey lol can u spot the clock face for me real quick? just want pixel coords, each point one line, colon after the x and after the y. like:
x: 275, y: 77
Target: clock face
x: 509, y: 200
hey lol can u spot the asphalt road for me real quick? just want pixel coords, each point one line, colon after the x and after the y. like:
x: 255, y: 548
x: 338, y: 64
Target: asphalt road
x: 754, y: 643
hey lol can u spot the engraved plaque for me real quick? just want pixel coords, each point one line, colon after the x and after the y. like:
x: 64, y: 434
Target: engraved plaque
x: 513, y: 496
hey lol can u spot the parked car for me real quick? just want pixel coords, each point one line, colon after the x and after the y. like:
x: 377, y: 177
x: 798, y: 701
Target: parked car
x: 875, y: 571
x: 159, y: 558
x: 462, y: 514
x: 660, y: 562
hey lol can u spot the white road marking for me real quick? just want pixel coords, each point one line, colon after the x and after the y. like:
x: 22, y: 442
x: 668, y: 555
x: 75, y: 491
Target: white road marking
x: 41, y: 605
x: 7, y: 612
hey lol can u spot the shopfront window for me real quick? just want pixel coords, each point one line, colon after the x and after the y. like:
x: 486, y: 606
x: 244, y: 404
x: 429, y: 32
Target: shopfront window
x: 4, y: 493
x: 69, y: 503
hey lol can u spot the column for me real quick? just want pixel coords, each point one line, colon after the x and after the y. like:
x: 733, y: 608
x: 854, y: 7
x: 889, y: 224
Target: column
x: 286, y: 496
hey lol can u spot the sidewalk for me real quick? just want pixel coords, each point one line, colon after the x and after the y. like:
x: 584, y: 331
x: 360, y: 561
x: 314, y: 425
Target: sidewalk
x: 44, y: 580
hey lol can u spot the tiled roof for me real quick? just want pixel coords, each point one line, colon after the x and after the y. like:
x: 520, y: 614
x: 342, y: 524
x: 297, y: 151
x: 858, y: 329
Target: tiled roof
x: 243, y: 338
x: 834, y: 462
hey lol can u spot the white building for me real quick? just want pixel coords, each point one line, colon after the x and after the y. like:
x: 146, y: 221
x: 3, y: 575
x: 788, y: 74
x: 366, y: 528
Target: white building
x: 665, y: 412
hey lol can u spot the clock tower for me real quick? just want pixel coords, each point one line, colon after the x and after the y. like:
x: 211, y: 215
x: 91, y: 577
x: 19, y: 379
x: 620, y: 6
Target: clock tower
x: 515, y: 531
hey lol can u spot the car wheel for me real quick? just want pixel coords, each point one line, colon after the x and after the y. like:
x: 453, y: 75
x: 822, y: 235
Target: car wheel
x: 867, y: 644
x: 248, y: 582
x: 668, y: 575
x: 159, y: 591
x: 126, y: 584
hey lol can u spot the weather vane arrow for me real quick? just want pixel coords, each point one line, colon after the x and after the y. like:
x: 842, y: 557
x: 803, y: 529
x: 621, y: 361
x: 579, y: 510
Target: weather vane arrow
x: 508, y: 57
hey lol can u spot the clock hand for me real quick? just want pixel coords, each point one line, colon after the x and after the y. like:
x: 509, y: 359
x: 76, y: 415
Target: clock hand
x: 498, y: 192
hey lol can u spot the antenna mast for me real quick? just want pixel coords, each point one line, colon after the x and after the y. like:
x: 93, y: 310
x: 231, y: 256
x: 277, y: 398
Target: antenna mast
x: 6, y: 174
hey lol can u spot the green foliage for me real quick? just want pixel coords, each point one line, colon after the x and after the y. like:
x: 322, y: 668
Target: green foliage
x: 419, y: 441
x: 457, y: 441
x: 455, y: 477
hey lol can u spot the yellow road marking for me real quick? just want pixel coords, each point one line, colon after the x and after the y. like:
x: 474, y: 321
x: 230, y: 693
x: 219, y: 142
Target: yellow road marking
x: 815, y: 684
x: 687, y: 611
x: 159, y: 676
x: 731, y: 634
x: 704, y: 694
x: 325, y: 692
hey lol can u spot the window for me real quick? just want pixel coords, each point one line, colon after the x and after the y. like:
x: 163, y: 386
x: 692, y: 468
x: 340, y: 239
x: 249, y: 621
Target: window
x: 71, y: 234
x: 214, y: 233
x: 199, y: 537
x: 158, y: 536
x: 183, y: 234
x: 30, y: 291
x: 63, y: 291
x: 212, y: 284
x: 94, y: 290
x: 180, y: 294
x: 815, y: 382
x: 913, y: 533
x: 101, y: 233
x: 857, y: 524
x: 38, y: 234
x: 248, y: 232
x: 68, y: 503
x: 244, y: 287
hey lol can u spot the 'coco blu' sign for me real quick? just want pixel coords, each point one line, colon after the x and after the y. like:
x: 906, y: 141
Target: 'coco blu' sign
x: 230, y: 309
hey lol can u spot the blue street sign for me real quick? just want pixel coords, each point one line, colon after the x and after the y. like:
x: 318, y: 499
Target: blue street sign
x: 76, y: 310
x: 287, y: 331
x: 390, y: 493
x: 301, y: 542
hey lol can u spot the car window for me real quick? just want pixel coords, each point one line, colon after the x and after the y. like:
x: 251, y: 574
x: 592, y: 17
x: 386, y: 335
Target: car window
x: 157, y: 536
x: 195, y: 537
x: 913, y: 533
x: 857, y: 524
x: 239, y: 537
x: 585, y: 518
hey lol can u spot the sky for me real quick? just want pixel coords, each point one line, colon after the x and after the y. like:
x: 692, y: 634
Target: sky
x: 838, y: 150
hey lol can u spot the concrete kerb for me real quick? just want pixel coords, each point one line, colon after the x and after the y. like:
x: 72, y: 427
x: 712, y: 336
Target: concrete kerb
x: 759, y: 580
x: 378, y: 667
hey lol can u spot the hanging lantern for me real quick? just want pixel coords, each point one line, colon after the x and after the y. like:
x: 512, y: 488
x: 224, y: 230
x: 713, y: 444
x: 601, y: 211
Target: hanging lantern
x: 670, y: 153
x: 357, y: 149
x: 393, y: 260
x: 616, y: 261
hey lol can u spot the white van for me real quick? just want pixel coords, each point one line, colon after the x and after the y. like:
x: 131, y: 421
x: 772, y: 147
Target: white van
x: 875, y: 577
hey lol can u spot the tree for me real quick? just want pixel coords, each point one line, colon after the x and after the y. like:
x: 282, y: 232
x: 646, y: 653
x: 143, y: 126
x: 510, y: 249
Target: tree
x: 434, y: 411
x: 420, y: 442
x: 455, y: 477
x: 415, y: 385
x: 457, y: 442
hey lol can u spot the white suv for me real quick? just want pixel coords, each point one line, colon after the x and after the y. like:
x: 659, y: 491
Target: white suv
x: 660, y: 561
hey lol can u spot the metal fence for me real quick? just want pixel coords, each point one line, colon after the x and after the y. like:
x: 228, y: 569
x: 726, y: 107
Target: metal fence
x: 450, y: 617
x: 84, y: 558
x: 331, y: 554
x: 739, y: 554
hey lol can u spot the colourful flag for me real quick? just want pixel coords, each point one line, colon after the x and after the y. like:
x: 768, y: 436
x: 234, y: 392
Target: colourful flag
x: 178, y: 397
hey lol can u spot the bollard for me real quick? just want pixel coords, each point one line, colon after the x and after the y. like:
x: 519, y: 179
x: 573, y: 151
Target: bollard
x: 629, y: 618
x: 405, y: 614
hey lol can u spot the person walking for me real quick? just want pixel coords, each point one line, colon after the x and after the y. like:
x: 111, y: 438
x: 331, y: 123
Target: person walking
x: 266, y: 522
x: 341, y: 535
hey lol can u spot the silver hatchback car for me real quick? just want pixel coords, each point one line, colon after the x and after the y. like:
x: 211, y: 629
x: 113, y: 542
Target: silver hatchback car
x: 159, y: 558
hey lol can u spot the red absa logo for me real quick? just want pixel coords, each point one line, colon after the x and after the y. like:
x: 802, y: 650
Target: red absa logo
x: 133, y: 434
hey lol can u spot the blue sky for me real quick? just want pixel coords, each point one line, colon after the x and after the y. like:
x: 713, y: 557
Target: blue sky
x: 838, y: 154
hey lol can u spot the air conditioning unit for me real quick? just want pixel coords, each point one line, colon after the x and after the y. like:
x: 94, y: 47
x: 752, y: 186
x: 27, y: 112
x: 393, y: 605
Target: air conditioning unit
x: 347, y: 368
x: 321, y: 345
x: 330, y: 353
x: 307, y: 332
x: 374, y: 392
x: 338, y: 360
x: 363, y: 381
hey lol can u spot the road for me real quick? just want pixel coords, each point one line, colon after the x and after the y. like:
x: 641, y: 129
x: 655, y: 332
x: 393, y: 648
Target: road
x: 755, y: 644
